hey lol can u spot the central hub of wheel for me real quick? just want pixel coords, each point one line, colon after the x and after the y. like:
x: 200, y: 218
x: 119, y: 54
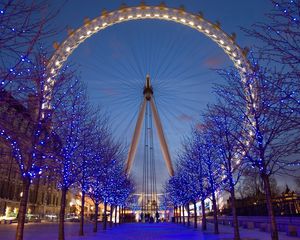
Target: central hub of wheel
x: 148, y: 90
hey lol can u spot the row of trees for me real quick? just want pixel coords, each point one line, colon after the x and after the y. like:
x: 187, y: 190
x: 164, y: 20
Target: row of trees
x: 70, y: 143
x: 253, y: 127
x: 88, y: 158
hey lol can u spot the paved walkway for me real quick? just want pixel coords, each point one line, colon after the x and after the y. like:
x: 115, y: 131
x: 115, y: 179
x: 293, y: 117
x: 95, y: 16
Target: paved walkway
x: 130, y: 231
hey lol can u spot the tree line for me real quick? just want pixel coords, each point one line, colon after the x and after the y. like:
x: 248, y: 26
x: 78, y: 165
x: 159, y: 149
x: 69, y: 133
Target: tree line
x: 254, y: 125
x: 70, y: 143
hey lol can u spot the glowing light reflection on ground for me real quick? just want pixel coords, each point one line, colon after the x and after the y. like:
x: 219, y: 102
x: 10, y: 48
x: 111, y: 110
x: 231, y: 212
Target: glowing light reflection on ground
x: 130, y: 231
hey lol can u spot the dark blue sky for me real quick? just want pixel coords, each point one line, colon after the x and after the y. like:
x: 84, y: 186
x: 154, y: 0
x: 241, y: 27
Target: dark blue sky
x: 180, y: 61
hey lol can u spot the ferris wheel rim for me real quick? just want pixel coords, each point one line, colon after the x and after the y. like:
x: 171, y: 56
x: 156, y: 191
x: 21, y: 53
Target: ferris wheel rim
x: 142, y: 12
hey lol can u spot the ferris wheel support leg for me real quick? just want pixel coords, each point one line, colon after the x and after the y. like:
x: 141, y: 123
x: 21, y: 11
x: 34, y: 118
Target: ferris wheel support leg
x: 162, y: 140
x: 135, y: 137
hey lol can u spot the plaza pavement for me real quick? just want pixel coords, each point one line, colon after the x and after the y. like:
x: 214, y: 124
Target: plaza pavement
x: 132, y: 231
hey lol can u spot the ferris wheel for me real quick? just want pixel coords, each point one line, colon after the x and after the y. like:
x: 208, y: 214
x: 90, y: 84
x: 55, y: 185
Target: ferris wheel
x: 157, y: 45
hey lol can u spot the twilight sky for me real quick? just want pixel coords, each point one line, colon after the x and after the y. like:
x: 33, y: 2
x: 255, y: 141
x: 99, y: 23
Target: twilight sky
x: 180, y: 61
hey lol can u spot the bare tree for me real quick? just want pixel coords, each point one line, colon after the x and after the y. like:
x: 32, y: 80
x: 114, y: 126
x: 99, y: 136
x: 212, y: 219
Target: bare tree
x: 251, y: 185
x: 193, y: 164
x: 24, y: 26
x: 107, y: 177
x: 69, y: 125
x: 280, y: 35
x: 212, y: 169
x: 95, y: 128
x: 279, y: 49
x: 112, y: 169
x: 268, y: 138
x: 22, y: 70
x: 33, y: 141
x: 224, y: 131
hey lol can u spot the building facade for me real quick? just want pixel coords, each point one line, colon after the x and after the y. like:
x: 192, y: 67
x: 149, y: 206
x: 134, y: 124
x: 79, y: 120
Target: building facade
x: 44, y: 197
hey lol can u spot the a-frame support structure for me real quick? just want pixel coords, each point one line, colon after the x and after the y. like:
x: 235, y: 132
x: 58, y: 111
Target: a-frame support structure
x: 148, y: 98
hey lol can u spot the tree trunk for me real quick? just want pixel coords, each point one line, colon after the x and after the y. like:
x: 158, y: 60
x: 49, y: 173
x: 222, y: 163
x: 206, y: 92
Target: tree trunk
x: 22, y: 209
x: 195, y: 215
x: 214, y: 202
x: 188, y: 212
x: 179, y: 214
x: 123, y: 214
x: 274, y: 231
x: 36, y: 190
x: 204, y: 225
x: 81, y: 232
x: 120, y: 213
x: 175, y: 214
x: 96, y: 217
x: 61, y: 227
x: 183, y: 216
x: 111, y: 215
x: 105, y: 216
x: 234, y: 215
x: 116, y: 211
